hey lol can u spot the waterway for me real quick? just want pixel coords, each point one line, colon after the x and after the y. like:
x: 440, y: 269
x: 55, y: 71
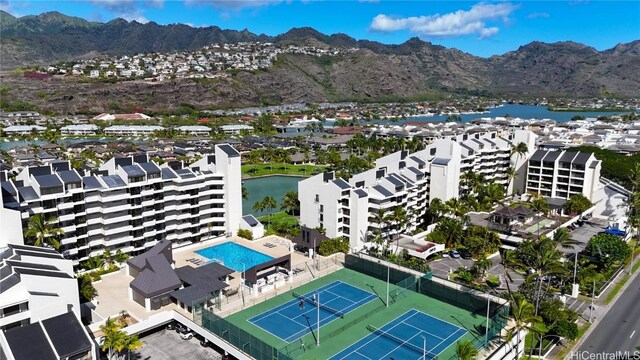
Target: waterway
x: 518, y: 111
x: 259, y: 188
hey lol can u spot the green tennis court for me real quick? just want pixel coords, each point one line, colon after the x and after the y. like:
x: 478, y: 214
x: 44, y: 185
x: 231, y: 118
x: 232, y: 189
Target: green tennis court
x: 534, y: 228
x: 340, y: 334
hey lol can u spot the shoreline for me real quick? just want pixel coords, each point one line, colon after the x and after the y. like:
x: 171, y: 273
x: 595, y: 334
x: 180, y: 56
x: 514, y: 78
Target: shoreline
x: 248, y: 177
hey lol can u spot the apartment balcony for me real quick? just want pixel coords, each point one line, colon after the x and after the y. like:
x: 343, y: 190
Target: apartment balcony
x: 212, y: 192
x: 117, y: 230
x: 147, y: 192
x: 116, y: 219
x: 108, y: 209
x: 67, y: 217
x: 119, y: 241
x: 66, y: 205
x: 109, y: 197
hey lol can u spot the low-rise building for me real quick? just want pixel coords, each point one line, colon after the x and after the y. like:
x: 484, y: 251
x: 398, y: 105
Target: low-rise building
x: 85, y: 129
x: 195, y: 130
x: 131, y: 130
x: 23, y: 129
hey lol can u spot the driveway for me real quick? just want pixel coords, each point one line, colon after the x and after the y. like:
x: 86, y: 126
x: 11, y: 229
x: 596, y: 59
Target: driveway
x: 442, y: 267
x: 167, y: 345
x: 585, y: 232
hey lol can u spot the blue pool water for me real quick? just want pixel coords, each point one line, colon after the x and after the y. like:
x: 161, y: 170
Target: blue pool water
x: 234, y: 256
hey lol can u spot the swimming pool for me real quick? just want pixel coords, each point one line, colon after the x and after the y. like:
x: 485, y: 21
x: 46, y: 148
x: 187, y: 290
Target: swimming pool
x: 234, y: 256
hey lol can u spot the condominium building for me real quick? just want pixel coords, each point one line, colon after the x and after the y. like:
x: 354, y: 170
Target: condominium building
x: 129, y: 205
x: 410, y: 181
x: 560, y: 174
x: 132, y: 130
x: 35, y: 284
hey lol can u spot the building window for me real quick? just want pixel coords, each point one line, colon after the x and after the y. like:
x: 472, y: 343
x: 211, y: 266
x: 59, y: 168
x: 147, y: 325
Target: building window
x: 317, y: 198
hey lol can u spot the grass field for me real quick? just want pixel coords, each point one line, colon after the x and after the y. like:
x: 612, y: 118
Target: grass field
x: 281, y: 169
x: 278, y: 218
x: 340, y: 334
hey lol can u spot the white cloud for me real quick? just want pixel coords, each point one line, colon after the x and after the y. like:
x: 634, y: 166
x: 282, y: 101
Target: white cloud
x: 129, y: 10
x: 459, y: 23
x: 117, y: 6
x: 234, y: 4
x: 155, y: 3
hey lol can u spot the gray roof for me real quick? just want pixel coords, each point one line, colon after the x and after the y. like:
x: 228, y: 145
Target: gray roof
x: 382, y: 190
x: 167, y: 173
x: 582, y: 158
x: 133, y: 170
x: 568, y: 156
x: 250, y: 220
x: 417, y: 160
x: 48, y: 181
x: 552, y: 156
x: 230, y: 151
x: 415, y: 171
x: 69, y: 176
x: 150, y: 168
x: 440, y: 161
x: 158, y: 277
x: 395, y: 181
x: 27, y: 193
x: 67, y: 335
x: 342, y: 184
x: 29, y: 342
x: 538, y: 155
x: 162, y: 247
x: 192, y: 294
x: 113, y: 181
x: 185, y: 173
x: 91, y: 182
x: 361, y: 193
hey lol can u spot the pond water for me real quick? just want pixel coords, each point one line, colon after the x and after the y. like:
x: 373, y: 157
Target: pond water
x: 521, y: 111
x: 259, y: 188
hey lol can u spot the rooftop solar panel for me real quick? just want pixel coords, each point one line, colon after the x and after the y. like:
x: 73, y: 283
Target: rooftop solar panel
x: 69, y: 176
x: 133, y: 170
x: 91, y: 182
x: 150, y: 168
x: 48, y: 181
x: 382, y: 190
x: 167, y: 173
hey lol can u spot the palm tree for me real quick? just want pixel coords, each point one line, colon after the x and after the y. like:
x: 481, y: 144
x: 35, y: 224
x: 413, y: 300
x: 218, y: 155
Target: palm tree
x: 539, y: 204
x: 86, y: 288
x: 259, y: 206
x: 542, y: 256
x: 42, y: 231
x: 563, y: 238
x: 93, y: 262
x: 435, y: 210
x: 399, y: 217
x: 269, y: 204
x: 290, y: 202
x: 466, y: 351
x: 523, y: 317
x: 380, y: 218
x: 245, y: 193
x: 519, y: 150
x: 112, y: 337
x: 132, y: 343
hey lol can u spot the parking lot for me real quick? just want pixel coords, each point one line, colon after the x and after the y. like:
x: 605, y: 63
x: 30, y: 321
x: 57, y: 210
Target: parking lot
x: 167, y: 345
x: 583, y: 233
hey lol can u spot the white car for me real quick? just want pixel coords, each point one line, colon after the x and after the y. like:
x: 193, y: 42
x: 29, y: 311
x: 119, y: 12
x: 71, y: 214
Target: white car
x: 186, y: 336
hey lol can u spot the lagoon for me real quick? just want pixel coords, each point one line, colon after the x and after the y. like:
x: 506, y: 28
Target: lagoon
x: 258, y: 188
x: 518, y: 111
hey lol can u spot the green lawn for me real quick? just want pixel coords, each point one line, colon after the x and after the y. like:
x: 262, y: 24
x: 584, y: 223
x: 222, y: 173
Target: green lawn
x: 281, y: 169
x: 341, y: 333
x: 279, y: 217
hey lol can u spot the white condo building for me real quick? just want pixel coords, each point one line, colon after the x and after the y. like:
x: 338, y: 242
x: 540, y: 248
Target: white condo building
x: 560, y: 174
x: 130, y: 205
x: 411, y: 181
x: 35, y: 284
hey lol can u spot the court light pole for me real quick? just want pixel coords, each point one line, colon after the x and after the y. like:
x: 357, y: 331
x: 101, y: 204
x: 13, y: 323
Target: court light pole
x: 593, y: 295
x: 486, y: 332
x: 424, y: 347
x: 318, y: 319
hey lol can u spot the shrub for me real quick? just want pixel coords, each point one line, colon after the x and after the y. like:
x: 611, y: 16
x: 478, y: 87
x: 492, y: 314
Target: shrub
x: 608, y: 249
x: 565, y: 328
x: 245, y: 233
x: 332, y: 246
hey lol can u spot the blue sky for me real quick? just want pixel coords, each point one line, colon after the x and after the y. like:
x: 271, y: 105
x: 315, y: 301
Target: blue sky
x: 479, y: 28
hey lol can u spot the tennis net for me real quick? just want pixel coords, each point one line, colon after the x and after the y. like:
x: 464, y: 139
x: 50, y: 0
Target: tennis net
x: 313, y: 302
x: 399, y: 341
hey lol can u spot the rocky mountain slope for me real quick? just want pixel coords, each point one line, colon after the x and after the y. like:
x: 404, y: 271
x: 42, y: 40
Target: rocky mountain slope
x: 376, y: 72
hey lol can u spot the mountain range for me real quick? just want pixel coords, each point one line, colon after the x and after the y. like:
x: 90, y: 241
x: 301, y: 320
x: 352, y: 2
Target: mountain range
x: 376, y: 72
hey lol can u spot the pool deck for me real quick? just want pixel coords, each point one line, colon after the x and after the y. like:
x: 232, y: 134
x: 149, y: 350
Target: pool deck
x: 113, y: 288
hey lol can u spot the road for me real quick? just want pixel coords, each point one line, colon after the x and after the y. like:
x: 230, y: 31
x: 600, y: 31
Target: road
x: 619, y: 330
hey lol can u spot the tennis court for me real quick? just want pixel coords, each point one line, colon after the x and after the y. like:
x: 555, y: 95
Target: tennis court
x: 541, y: 225
x: 404, y: 338
x: 298, y: 317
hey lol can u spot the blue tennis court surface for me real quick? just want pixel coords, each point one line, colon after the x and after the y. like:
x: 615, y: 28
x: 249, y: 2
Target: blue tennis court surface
x: 402, y: 338
x: 290, y: 321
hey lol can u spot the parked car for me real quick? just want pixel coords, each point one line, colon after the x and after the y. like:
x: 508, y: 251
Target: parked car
x: 186, y: 336
x: 454, y: 254
x: 465, y: 254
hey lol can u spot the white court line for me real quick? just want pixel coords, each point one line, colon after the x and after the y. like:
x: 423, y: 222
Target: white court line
x: 455, y: 332
x: 424, y: 331
x: 376, y: 335
x: 632, y: 334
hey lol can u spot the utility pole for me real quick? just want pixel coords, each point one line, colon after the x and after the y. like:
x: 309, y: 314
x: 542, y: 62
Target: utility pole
x: 593, y: 295
x: 318, y: 319
x: 387, y: 304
